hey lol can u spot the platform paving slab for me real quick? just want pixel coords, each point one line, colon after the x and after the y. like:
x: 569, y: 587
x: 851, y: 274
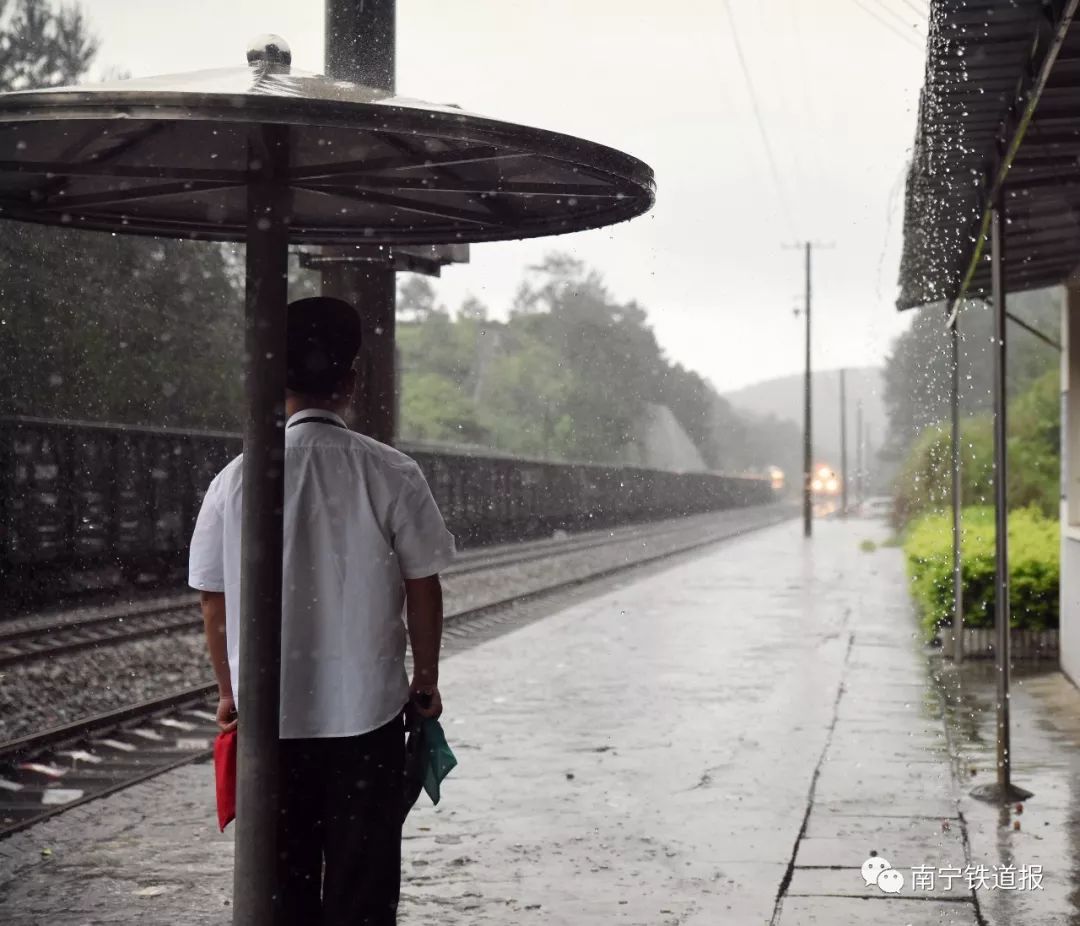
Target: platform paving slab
x: 832, y: 911
x: 889, y: 837
x: 885, y: 785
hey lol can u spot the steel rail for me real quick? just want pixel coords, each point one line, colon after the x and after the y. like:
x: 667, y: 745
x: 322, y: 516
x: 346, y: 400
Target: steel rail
x: 26, y: 645
x: 34, y: 743
x: 20, y: 754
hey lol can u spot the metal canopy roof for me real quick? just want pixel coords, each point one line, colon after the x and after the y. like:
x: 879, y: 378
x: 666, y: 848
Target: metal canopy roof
x: 168, y: 156
x: 984, y: 58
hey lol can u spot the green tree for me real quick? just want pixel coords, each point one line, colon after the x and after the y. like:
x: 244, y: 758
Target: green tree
x: 525, y: 403
x: 1035, y: 445
x: 416, y: 299
x: 917, y: 372
x: 434, y: 408
x: 1034, y: 458
x: 41, y: 46
x: 569, y: 375
x: 608, y: 351
x: 95, y: 326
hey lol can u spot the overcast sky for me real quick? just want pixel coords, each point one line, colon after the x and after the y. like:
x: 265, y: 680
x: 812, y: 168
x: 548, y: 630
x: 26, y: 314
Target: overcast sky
x: 836, y: 88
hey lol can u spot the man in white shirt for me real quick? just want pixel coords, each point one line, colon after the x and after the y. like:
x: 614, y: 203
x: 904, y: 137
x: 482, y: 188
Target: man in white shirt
x: 363, y: 540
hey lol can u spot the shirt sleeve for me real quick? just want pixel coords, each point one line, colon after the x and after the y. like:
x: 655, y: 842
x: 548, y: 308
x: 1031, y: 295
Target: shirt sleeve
x: 206, y: 558
x: 421, y: 541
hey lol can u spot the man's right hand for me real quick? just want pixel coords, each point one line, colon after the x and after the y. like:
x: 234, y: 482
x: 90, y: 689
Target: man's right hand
x: 226, y: 714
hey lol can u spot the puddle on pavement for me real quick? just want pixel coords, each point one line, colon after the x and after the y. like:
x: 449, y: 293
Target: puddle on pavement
x: 1042, y: 831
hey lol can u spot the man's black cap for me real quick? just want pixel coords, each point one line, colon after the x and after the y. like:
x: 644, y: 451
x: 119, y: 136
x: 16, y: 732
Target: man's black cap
x: 323, y: 338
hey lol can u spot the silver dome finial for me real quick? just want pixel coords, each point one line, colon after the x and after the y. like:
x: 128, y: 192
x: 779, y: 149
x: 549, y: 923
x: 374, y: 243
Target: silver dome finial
x: 269, y: 49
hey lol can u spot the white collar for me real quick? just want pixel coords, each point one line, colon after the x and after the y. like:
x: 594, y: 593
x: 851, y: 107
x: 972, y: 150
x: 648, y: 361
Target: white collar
x: 316, y: 413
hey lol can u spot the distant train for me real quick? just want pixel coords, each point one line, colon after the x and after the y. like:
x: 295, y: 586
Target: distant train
x: 825, y: 481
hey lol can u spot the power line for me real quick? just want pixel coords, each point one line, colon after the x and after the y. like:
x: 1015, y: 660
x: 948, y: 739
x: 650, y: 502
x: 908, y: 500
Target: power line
x: 808, y: 107
x: 780, y: 192
x: 911, y: 6
x: 901, y: 20
x: 888, y: 25
x: 894, y: 192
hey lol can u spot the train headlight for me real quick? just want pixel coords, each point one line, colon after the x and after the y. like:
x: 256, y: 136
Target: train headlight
x: 816, y: 485
x: 832, y: 485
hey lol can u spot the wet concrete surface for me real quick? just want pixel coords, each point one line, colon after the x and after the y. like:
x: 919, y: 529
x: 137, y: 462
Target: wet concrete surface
x: 884, y: 785
x: 43, y: 693
x: 1043, y: 831
x: 723, y: 741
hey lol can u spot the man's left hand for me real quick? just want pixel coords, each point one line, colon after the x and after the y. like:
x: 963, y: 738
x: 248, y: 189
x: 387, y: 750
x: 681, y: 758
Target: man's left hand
x: 426, y: 700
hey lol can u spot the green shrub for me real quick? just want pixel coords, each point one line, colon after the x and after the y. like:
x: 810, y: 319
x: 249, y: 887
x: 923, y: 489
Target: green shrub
x: 868, y: 546
x: 1033, y: 568
x: 924, y: 483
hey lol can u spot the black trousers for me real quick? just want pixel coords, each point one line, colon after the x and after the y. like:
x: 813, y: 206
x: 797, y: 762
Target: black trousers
x: 339, y: 834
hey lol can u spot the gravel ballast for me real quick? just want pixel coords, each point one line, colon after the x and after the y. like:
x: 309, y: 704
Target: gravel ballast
x: 44, y: 693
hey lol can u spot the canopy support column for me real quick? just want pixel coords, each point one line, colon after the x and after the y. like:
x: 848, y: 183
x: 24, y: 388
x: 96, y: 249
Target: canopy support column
x: 1069, y: 601
x: 257, y: 794
x: 957, y: 500
x: 1002, y: 614
x: 1003, y: 790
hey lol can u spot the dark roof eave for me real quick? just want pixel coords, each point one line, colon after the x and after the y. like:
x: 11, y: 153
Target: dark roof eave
x: 944, y: 218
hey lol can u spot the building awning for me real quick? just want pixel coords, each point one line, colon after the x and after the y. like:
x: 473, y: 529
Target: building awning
x: 1000, y: 109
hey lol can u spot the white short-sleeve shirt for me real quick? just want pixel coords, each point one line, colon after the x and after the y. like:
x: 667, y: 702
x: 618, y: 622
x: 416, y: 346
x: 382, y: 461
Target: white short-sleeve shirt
x: 359, y: 518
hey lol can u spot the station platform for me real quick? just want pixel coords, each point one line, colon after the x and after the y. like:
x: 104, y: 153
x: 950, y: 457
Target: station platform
x: 725, y: 739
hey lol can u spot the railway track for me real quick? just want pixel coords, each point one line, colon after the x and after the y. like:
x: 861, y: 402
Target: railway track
x: 56, y: 637
x: 46, y: 773
x: 67, y: 637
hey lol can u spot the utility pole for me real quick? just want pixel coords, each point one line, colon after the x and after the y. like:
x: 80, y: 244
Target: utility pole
x: 808, y: 435
x: 360, y: 46
x: 843, y: 446
x: 957, y: 515
x: 868, y: 457
x: 808, y: 462
x: 858, y: 453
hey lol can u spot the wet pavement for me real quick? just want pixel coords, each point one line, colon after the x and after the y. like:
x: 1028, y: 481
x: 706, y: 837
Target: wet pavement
x: 1042, y: 832
x: 723, y: 741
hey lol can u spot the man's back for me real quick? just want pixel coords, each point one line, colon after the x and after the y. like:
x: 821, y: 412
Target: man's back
x: 362, y: 538
x: 359, y: 517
